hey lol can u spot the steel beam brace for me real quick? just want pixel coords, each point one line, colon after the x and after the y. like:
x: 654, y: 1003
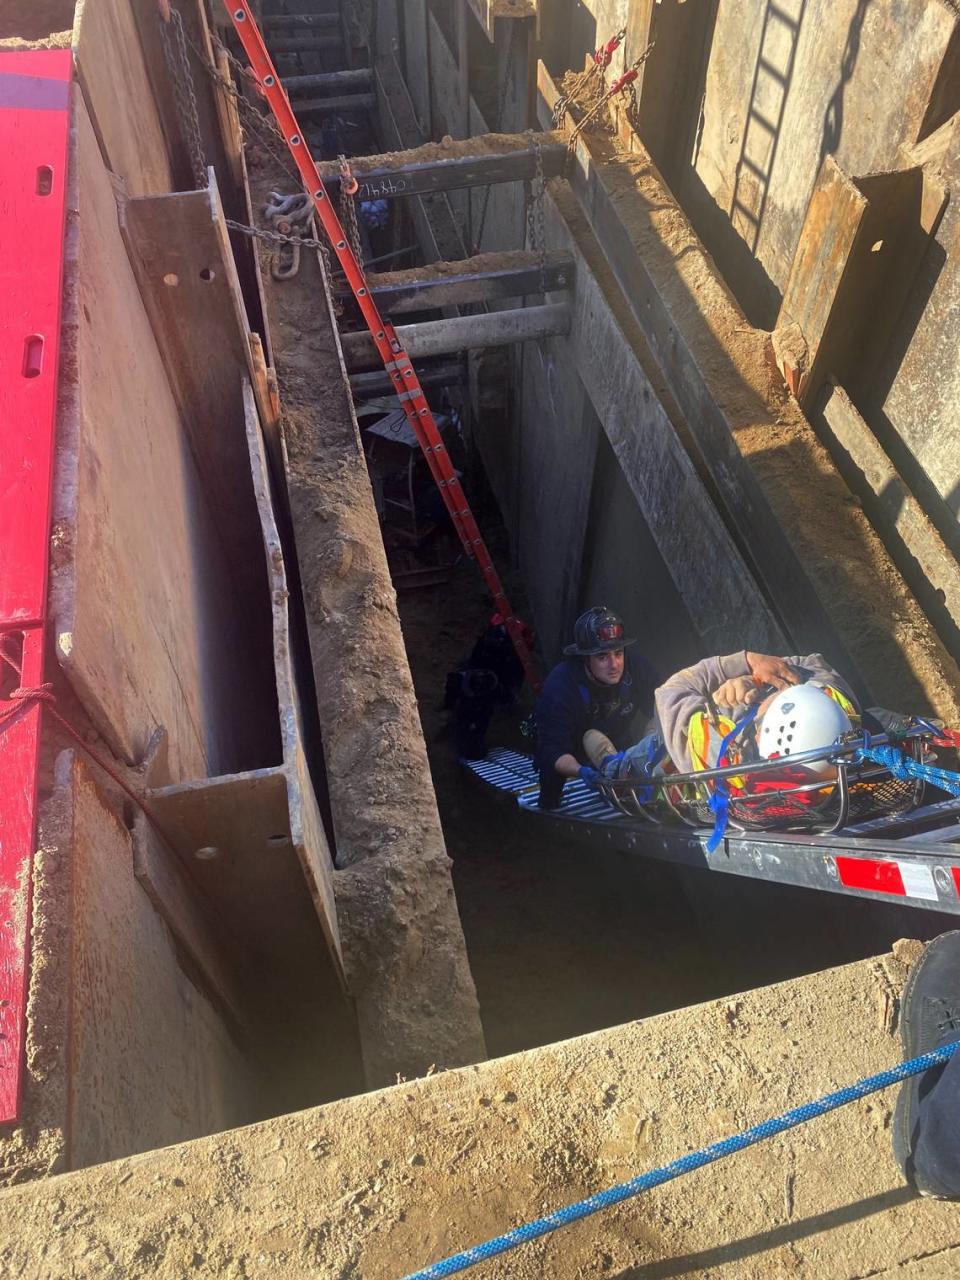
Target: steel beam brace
x: 304, y: 44
x: 299, y: 21
x: 478, y: 162
x: 465, y: 333
x: 361, y: 76
x: 347, y: 102
x: 368, y: 386
x: 480, y: 279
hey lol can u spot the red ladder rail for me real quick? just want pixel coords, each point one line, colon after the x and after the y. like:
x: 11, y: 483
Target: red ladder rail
x: 395, y: 359
x: 35, y: 87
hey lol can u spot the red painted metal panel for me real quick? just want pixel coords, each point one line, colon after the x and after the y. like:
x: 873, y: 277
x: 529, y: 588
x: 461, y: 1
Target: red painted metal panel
x: 877, y: 875
x: 34, y: 130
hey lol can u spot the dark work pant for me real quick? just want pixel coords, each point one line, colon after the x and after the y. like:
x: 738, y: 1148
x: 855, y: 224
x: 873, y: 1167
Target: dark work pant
x: 936, y: 1150
x: 551, y: 787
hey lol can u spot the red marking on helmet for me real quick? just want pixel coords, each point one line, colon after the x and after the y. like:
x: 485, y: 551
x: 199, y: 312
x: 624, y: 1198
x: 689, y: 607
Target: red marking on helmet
x: 872, y: 874
x: 610, y: 631
x: 955, y: 872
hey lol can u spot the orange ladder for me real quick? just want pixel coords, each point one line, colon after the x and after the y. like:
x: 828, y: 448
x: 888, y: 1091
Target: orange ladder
x: 395, y: 359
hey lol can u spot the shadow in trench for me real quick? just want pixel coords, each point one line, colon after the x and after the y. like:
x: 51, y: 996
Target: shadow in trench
x: 772, y: 78
x: 695, y: 1264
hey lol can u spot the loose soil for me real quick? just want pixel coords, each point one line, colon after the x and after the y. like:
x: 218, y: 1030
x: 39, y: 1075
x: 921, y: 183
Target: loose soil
x: 450, y: 149
x: 35, y: 20
x: 371, y: 1188
x: 403, y: 947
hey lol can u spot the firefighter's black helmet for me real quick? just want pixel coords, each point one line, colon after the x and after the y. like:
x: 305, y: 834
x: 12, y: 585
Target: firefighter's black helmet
x: 599, y: 630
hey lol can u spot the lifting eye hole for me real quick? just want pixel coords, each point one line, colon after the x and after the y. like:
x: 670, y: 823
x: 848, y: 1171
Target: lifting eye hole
x: 793, y: 724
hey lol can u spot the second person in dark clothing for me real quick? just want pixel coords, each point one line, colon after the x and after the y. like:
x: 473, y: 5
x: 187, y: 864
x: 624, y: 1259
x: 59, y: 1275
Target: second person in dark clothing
x: 601, y: 684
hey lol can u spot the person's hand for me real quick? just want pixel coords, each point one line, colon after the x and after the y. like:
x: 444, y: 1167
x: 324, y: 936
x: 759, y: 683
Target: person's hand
x: 735, y: 692
x: 767, y: 669
x: 590, y: 776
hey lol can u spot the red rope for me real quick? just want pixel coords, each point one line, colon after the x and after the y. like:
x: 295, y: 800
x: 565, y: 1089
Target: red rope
x: 20, y: 702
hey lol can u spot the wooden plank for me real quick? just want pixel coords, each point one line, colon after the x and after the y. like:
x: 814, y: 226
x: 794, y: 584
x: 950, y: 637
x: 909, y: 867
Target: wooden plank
x: 347, y: 102
x: 267, y: 408
x: 466, y: 333
x: 473, y: 162
x: 307, y: 835
x: 229, y: 116
x: 484, y: 278
x: 909, y: 534
x: 117, y: 90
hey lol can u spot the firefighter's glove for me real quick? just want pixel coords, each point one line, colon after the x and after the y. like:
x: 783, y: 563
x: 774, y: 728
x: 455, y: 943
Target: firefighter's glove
x: 610, y: 765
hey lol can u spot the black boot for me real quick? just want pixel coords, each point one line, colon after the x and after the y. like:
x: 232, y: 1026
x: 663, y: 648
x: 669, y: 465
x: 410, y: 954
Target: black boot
x: 926, y: 1121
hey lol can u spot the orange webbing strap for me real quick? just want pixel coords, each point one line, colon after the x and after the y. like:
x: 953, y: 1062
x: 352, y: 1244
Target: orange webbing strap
x: 395, y: 359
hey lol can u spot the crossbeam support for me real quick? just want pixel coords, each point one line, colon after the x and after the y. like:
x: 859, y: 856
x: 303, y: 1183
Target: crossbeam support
x: 488, y: 277
x: 466, y: 333
x: 475, y: 162
x: 360, y: 76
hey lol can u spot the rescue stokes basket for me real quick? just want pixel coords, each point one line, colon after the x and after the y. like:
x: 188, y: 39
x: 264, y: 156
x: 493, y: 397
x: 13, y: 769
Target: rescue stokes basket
x: 772, y: 795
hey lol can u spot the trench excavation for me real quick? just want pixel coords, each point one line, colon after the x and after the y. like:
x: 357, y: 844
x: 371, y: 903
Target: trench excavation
x: 263, y: 930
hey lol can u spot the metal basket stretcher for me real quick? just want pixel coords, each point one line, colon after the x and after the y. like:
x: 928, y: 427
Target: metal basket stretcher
x: 781, y: 794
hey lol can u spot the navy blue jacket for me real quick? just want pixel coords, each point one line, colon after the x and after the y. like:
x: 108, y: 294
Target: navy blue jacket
x: 570, y: 703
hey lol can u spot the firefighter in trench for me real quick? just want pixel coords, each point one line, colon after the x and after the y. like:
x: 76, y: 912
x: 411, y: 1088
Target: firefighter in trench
x: 602, y: 684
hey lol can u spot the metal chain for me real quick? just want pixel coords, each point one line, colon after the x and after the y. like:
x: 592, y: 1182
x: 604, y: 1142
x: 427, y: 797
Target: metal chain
x: 274, y: 237
x: 265, y: 127
x: 178, y: 63
x: 621, y: 85
x: 538, y: 225
x: 580, y: 83
x: 279, y: 238
x: 348, y: 209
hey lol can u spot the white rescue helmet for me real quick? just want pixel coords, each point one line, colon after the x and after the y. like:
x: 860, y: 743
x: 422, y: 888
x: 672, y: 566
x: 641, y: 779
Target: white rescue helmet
x: 802, y: 718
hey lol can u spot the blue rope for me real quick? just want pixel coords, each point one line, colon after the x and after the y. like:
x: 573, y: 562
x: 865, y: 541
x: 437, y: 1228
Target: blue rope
x: 905, y: 767
x: 718, y: 801
x: 686, y: 1164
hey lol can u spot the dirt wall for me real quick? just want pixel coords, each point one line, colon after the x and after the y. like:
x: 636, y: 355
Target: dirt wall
x: 378, y: 1185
